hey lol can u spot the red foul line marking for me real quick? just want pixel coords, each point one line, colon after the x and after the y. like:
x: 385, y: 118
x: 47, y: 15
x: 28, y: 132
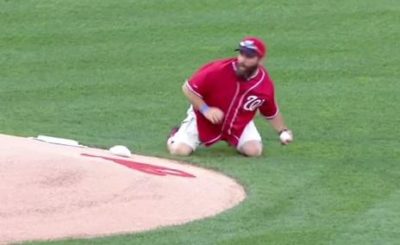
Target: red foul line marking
x: 144, y: 167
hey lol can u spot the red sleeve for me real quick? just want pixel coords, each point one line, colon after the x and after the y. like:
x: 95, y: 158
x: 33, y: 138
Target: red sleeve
x: 199, y: 82
x: 269, y: 109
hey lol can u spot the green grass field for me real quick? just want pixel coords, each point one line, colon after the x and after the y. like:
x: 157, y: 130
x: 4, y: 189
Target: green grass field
x: 109, y: 72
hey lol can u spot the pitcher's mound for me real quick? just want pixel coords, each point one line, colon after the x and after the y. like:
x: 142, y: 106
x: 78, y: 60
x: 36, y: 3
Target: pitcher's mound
x: 51, y: 191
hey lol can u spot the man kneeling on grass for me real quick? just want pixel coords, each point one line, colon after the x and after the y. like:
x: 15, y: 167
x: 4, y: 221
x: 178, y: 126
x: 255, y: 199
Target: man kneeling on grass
x: 225, y: 96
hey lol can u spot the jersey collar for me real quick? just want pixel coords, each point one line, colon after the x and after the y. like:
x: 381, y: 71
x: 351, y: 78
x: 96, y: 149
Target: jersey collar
x: 252, y: 76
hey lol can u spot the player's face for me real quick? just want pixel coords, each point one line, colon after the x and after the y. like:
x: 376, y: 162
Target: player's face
x: 247, y: 64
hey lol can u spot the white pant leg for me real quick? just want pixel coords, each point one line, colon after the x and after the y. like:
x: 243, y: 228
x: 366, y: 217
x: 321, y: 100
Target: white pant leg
x: 250, y: 133
x: 188, y: 133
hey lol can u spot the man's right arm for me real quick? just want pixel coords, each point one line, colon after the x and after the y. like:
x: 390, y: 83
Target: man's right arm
x: 193, y: 98
x: 213, y: 114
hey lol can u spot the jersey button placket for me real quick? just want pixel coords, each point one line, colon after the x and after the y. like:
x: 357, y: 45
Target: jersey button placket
x: 231, y: 110
x: 237, y: 101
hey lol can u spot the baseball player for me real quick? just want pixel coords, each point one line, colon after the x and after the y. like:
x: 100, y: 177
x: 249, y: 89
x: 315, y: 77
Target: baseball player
x: 225, y: 96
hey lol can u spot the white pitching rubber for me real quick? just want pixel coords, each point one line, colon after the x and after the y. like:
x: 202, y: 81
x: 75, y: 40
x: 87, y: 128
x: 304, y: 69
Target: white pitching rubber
x: 59, y: 141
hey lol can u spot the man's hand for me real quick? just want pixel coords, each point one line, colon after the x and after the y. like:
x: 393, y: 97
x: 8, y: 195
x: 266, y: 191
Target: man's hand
x: 214, y: 115
x: 286, y: 136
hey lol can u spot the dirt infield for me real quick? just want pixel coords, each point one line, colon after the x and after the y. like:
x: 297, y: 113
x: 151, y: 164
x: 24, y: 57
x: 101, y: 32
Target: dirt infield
x: 52, y: 191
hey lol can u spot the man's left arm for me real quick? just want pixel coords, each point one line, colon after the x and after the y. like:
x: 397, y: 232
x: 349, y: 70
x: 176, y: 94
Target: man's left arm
x: 285, y: 134
x: 277, y: 122
x: 269, y: 109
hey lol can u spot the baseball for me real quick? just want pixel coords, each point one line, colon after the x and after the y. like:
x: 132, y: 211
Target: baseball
x: 286, y: 136
x: 120, y: 150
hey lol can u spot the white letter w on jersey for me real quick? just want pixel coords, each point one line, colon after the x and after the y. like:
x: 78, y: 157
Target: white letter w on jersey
x: 252, y: 103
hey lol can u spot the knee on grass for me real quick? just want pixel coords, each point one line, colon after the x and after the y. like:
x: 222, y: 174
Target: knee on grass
x: 180, y: 149
x: 251, y: 149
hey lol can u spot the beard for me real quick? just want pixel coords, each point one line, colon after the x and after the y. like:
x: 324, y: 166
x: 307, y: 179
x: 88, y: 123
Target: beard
x: 244, y: 72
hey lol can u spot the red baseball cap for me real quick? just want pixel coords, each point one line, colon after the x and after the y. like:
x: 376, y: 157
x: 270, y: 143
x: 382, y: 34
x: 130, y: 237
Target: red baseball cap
x: 252, y: 46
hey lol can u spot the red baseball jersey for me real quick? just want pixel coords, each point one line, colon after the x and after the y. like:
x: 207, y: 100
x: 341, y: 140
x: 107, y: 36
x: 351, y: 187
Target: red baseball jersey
x: 219, y: 86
